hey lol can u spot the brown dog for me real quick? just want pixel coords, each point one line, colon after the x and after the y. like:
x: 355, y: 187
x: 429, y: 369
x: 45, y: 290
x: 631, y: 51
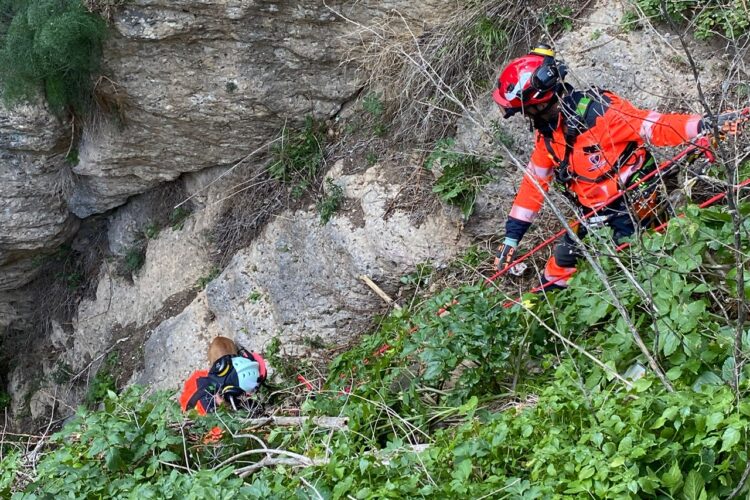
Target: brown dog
x: 220, y: 346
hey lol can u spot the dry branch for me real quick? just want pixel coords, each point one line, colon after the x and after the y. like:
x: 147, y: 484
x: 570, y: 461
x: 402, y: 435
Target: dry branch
x: 337, y: 423
x: 375, y: 288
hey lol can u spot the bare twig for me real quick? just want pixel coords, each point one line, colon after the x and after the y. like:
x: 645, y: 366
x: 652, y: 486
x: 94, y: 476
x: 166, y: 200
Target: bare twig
x: 303, y: 460
x: 736, y: 491
x: 339, y: 423
x: 271, y: 462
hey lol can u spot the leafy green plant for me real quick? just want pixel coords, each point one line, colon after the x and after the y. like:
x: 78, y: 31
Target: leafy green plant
x: 135, y: 257
x: 151, y: 231
x: 330, y: 202
x: 463, y: 175
x: 50, y: 46
x: 203, y: 281
x: 558, y: 16
x: 104, y: 381
x: 371, y: 157
x: 723, y: 17
x: 133, y: 446
x: 177, y: 217
x: 373, y: 105
x: 501, y: 135
x: 441, y: 400
x: 316, y: 342
x: 629, y: 21
x: 297, y: 157
x: 62, y: 373
x: 72, y: 157
x: 421, y: 277
x: 73, y: 279
x: 5, y: 400
x: 288, y: 368
x: 488, y: 36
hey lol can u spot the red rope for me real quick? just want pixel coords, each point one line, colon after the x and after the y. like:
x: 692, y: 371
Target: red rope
x: 623, y: 246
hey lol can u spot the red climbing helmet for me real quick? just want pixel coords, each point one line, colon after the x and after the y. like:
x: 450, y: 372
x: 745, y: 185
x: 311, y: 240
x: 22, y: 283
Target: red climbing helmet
x: 531, y: 79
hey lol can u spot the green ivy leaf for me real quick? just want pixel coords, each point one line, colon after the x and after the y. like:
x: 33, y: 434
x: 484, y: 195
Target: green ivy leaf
x: 730, y: 438
x: 694, y: 487
x: 673, y: 477
x: 669, y: 342
x: 713, y: 421
x: 586, y: 472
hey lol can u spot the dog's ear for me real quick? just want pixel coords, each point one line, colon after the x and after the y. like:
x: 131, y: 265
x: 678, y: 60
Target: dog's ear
x: 221, y: 346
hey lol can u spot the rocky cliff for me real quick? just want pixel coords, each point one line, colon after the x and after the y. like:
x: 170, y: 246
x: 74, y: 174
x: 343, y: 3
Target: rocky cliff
x: 190, y: 85
x: 197, y: 87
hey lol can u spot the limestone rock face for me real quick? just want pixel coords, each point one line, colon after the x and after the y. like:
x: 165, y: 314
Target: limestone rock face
x: 33, y: 178
x: 192, y: 85
x: 299, y: 280
x: 208, y: 82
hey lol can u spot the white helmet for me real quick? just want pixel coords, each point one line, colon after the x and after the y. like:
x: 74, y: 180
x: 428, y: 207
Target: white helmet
x: 248, y: 373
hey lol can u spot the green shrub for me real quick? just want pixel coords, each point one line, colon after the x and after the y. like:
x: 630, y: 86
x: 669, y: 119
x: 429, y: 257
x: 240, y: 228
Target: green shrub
x: 5, y: 400
x: 72, y: 157
x: 444, y: 401
x: 729, y: 18
x: 298, y: 156
x: 330, y: 202
x: 62, y: 373
x: 104, y: 381
x: 486, y: 37
x: 133, y: 448
x: 463, y: 175
x: 558, y: 16
x: 52, y: 46
x: 135, y: 258
x: 151, y: 231
x: 177, y: 217
x: 203, y: 281
x: 72, y: 279
x: 373, y: 105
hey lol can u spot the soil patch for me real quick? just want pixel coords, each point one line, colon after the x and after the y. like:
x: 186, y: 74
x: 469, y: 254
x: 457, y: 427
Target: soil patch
x: 130, y: 351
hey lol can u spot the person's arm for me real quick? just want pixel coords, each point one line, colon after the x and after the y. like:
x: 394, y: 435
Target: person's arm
x: 628, y: 123
x: 528, y: 202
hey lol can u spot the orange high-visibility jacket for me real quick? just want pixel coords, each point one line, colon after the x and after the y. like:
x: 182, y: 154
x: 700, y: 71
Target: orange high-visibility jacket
x: 195, y: 393
x: 612, y: 126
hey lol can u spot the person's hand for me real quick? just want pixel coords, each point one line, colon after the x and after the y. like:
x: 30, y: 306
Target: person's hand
x: 729, y: 123
x: 505, y: 253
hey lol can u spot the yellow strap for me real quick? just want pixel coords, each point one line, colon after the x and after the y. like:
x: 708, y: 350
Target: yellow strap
x: 543, y: 52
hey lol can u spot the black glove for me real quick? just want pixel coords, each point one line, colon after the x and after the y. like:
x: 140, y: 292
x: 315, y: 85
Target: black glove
x: 505, y: 254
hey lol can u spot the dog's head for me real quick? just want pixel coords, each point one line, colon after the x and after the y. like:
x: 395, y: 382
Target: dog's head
x: 220, y: 347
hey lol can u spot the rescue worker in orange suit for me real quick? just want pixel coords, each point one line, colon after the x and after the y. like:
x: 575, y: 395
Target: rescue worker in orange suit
x: 230, y: 378
x: 590, y: 142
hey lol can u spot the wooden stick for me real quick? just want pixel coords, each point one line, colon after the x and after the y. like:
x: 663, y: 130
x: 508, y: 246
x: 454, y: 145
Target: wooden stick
x: 375, y: 288
x: 339, y: 423
x: 270, y: 462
